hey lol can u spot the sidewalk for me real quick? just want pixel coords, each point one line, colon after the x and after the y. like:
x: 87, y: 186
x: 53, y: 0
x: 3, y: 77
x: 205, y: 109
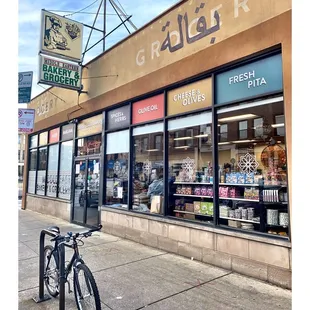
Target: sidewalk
x: 131, y: 276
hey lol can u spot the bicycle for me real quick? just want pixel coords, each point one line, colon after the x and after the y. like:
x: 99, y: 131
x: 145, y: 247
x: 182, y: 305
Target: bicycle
x: 88, y: 299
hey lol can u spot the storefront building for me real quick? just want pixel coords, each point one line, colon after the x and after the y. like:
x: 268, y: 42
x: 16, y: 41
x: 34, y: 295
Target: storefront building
x: 186, y: 146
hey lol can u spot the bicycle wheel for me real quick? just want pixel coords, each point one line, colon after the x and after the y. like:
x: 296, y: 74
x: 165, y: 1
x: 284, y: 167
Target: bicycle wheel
x: 85, y: 289
x: 51, y: 271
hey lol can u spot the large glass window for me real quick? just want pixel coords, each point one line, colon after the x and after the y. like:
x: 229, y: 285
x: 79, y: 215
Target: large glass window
x: 88, y: 146
x: 148, y: 182
x: 190, y: 167
x: 64, y: 185
x: 252, y: 171
x: 32, y: 171
x: 117, y: 169
x: 51, y: 190
x: 42, y: 164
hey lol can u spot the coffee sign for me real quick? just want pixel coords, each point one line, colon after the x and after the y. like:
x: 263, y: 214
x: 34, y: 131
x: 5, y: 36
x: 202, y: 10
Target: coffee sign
x: 190, y: 97
x: 119, y: 118
x: 148, y: 109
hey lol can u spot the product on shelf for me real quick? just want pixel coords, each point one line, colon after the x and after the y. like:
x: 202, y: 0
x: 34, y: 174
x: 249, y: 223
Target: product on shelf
x: 179, y: 204
x: 189, y: 207
x: 179, y: 189
x: 238, y: 213
x: 203, y: 207
x: 233, y: 223
x: 223, y: 191
x: 272, y: 217
x: 250, y: 213
x: 233, y: 192
x: 240, y: 178
x: 249, y: 178
x: 231, y: 213
x: 244, y: 214
x: 224, y: 211
x: 283, y: 219
x: 247, y: 226
x: 197, y: 206
x: 183, y: 190
x: 251, y: 193
x: 210, y: 191
x: 271, y: 195
x: 188, y: 190
x: 197, y: 190
x: 203, y: 190
x: 256, y: 219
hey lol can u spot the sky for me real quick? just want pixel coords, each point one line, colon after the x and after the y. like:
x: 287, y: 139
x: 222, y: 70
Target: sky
x: 29, y: 22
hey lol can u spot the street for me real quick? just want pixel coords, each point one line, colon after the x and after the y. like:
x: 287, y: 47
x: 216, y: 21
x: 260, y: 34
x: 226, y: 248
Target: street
x: 131, y: 276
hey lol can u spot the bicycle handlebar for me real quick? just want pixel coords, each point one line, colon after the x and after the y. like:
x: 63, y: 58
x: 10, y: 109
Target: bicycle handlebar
x: 70, y: 235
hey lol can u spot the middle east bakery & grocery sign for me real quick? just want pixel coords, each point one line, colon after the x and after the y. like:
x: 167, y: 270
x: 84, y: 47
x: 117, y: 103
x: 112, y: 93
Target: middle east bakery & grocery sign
x: 59, y: 73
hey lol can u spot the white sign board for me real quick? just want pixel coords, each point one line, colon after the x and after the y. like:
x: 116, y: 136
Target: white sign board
x: 59, y: 73
x: 24, y: 86
x: 26, y: 120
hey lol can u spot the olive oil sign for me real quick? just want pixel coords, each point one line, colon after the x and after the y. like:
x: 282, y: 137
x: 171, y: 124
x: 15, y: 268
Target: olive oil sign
x: 59, y: 73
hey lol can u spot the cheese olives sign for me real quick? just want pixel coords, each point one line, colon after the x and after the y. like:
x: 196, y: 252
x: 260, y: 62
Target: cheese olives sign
x: 59, y: 73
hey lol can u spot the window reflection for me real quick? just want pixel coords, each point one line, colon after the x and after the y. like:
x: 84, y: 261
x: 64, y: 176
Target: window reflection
x: 252, y: 168
x: 148, y: 183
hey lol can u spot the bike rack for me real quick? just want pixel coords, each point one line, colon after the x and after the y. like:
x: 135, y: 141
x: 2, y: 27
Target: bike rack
x: 43, y: 297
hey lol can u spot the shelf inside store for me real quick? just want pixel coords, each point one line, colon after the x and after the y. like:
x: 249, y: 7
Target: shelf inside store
x: 269, y: 203
x: 200, y: 196
x: 239, y: 199
x: 238, y: 184
x: 240, y: 220
x: 187, y: 212
x: 193, y: 183
x: 223, y: 198
x: 276, y: 226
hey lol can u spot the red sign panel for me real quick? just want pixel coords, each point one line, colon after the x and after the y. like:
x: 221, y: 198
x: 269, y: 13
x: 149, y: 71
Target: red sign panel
x: 148, y: 109
x: 54, y: 135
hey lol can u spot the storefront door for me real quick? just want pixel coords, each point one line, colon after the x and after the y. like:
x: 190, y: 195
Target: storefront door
x: 86, y: 191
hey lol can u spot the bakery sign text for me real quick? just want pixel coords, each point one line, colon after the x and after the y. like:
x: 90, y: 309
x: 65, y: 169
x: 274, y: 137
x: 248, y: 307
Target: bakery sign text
x: 189, y: 31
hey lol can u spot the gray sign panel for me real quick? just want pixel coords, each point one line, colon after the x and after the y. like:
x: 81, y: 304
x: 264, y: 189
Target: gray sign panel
x: 67, y: 132
x: 119, y: 118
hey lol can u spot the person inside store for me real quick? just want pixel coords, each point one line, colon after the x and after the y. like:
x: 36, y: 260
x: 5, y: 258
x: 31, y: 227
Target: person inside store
x: 156, y: 188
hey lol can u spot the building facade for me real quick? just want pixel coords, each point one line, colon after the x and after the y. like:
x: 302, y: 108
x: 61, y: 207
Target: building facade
x: 182, y: 139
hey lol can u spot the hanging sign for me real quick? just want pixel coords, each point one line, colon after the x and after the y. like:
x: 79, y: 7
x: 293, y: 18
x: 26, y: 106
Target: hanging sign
x: 26, y: 120
x: 61, y: 36
x: 59, y: 73
x: 190, y: 97
x: 148, y: 109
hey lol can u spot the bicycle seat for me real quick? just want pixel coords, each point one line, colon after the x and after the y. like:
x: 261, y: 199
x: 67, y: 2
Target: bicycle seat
x: 54, y: 229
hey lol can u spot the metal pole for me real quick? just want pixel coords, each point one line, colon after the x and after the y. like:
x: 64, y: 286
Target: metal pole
x: 62, y: 276
x: 104, y: 23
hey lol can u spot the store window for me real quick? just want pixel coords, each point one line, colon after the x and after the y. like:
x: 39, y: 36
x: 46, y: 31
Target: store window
x: 41, y: 174
x: 190, y: 167
x: 253, y: 172
x: 223, y: 132
x: 32, y: 171
x: 53, y: 152
x: 64, y: 185
x: 89, y: 146
x: 243, y: 130
x: 117, y: 169
x: 148, y: 182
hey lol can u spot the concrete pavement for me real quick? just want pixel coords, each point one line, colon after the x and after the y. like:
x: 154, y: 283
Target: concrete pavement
x: 131, y: 276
